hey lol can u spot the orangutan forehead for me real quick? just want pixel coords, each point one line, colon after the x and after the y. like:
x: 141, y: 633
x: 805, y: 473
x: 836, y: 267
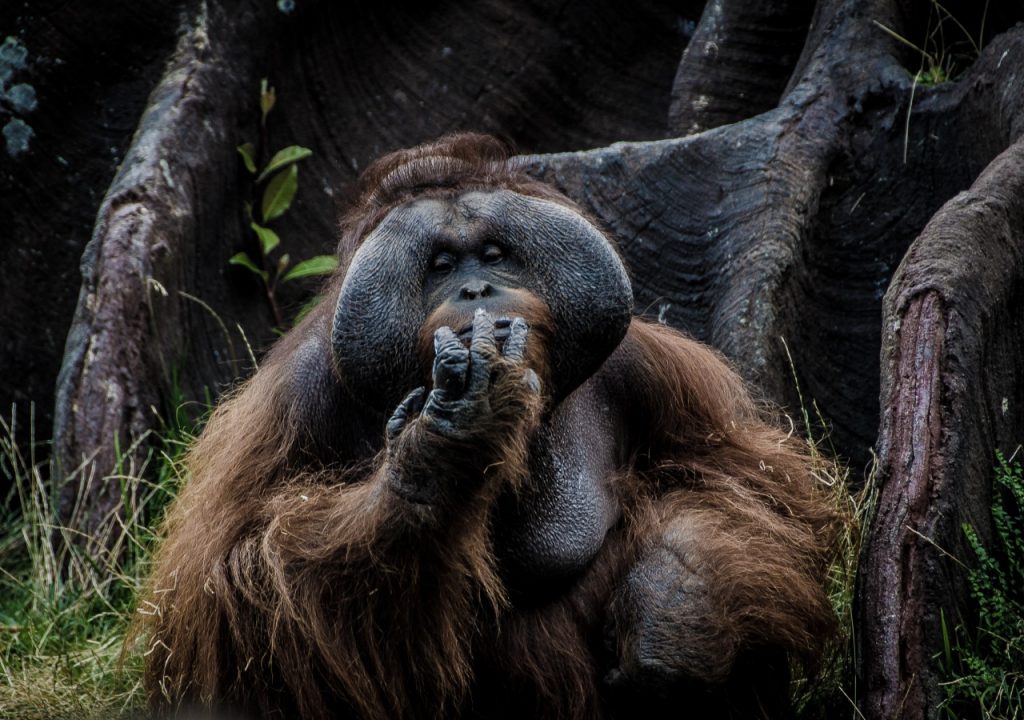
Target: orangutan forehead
x: 460, y: 217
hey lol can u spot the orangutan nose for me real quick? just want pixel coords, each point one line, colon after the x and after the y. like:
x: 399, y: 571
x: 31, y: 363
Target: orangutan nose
x: 475, y: 289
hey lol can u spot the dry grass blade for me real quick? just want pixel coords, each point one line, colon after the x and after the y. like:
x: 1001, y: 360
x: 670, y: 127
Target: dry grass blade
x: 65, y: 600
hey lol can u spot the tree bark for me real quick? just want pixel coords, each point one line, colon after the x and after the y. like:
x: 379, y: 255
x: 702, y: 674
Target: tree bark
x: 952, y: 392
x: 86, y: 97
x: 826, y: 217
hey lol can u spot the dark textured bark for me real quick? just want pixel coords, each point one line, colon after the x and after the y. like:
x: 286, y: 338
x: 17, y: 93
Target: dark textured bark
x: 89, y: 93
x: 952, y: 391
x: 738, y: 62
x: 775, y: 234
x: 123, y: 343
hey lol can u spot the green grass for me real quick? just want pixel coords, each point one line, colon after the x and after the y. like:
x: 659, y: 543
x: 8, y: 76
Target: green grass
x: 985, y: 664
x: 948, y: 46
x: 67, y: 601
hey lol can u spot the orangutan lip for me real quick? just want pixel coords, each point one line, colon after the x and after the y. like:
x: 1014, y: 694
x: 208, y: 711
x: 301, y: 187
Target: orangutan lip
x: 501, y: 330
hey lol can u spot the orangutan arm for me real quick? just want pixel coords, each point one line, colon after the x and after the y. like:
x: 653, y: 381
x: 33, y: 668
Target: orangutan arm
x: 734, y: 531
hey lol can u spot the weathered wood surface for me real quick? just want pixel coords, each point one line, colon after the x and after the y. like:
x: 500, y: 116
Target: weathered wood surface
x: 88, y: 94
x: 952, y: 391
x: 815, y: 206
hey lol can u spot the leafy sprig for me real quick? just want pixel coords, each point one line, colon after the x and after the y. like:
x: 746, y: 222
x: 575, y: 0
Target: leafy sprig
x: 984, y: 662
x: 279, y: 180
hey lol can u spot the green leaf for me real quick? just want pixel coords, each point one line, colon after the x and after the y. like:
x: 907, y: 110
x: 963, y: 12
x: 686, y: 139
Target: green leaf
x: 291, y: 154
x: 319, y: 265
x: 248, y: 153
x: 268, y: 238
x: 283, y: 262
x: 947, y: 648
x: 279, y: 193
x: 245, y: 261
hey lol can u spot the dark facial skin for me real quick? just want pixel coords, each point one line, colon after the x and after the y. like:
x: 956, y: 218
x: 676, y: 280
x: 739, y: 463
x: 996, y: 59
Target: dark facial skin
x: 467, y: 273
x: 480, y: 249
x: 436, y: 264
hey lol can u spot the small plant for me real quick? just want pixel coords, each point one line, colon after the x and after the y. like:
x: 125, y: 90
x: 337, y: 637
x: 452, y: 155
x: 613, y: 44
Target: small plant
x: 947, y: 48
x: 987, y: 664
x: 279, y: 180
x: 943, y: 56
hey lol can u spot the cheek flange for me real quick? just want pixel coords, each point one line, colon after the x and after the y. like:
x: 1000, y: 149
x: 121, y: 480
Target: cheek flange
x: 380, y: 310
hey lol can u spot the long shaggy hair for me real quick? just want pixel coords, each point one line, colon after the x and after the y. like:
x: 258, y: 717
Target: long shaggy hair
x: 289, y: 585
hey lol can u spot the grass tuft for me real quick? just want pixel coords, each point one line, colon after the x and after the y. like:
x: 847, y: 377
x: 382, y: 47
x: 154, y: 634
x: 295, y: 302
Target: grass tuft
x: 833, y: 692
x: 985, y: 663
x: 66, y: 601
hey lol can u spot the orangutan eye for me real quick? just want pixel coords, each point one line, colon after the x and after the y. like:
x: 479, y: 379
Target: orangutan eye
x: 443, y: 262
x: 492, y: 254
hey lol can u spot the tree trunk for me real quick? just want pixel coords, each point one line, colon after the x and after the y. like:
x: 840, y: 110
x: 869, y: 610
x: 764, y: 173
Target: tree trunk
x: 952, y: 392
x: 818, y: 173
x: 74, y: 96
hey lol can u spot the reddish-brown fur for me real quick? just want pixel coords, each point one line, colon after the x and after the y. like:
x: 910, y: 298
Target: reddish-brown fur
x: 289, y: 586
